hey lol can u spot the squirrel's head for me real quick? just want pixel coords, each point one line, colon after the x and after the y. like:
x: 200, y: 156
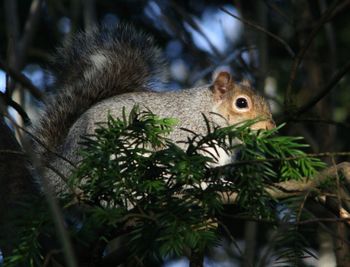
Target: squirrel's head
x: 239, y: 102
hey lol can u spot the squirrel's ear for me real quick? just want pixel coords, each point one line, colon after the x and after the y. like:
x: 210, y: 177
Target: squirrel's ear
x: 222, y: 83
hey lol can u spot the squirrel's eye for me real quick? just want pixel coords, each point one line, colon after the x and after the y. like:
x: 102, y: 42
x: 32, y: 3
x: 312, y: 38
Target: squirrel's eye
x: 241, y: 103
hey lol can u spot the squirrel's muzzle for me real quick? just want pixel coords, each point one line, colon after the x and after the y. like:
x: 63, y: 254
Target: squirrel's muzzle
x: 264, y: 125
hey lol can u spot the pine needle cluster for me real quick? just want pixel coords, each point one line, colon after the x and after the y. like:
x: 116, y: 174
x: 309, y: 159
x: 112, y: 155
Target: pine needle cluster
x: 139, y: 188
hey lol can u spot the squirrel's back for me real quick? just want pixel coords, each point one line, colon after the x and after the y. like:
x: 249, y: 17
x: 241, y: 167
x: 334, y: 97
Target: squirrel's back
x: 93, y: 66
x: 102, y: 71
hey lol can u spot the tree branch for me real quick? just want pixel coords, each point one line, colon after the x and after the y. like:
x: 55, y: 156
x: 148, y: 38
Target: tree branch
x: 195, y: 26
x: 22, y: 79
x: 259, y: 28
x: 299, y: 57
x: 293, y: 187
x: 325, y: 90
x: 29, y: 31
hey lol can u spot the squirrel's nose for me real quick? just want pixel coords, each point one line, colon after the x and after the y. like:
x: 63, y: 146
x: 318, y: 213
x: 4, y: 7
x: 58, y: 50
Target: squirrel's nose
x: 270, y: 124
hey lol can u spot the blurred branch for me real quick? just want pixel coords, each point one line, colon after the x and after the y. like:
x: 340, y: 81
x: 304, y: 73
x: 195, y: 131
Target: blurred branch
x: 16, y: 183
x: 62, y: 233
x: 340, y: 8
x: 259, y: 161
x: 19, y: 77
x: 277, y: 10
x: 12, y: 31
x: 37, y: 140
x: 195, y: 26
x: 226, y: 61
x: 259, y: 28
x: 57, y: 216
x: 293, y: 187
x: 18, y: 46
x: 317, y: 120
x: 12, y: 27
x: 299, y: 57
x: 303, y: 222
x: 331, y: 38
x: 29, y: 31
x: 89, y: 13
x: 324, y: 91
x: 6, y: 100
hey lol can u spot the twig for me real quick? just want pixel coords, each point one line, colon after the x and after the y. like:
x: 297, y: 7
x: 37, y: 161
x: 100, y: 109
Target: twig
x: 226, y: 61
x: 337, y: 180
x: 15, y: 152
x: 302, y: 204
x: 333, y: 234
x: 325, y: 90
x: 299, y: 57
x: 9, y: 102
x: 275, y: 8
x: 281, y: 188
x: 228, y: 232
x: 75, y: 190
x: 22, y: 79
x: 316, y: 120
x: 29, y: 31
x: 49, y: 256
x: 259, y: 28
x: 303, y: 222
x: 195, y: 26
x: 62, y: 234
x: 344, y: 4
x: 44, y: 146
x: 293, y: 187
x: 89, y: 13
x: 319, y: 155
x: 330, y: 36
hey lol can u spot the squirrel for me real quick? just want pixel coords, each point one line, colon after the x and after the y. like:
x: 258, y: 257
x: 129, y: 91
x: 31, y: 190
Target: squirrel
x: 108, y: 69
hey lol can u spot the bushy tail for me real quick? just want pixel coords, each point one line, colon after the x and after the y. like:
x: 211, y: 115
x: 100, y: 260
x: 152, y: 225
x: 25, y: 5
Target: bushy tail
x: 93, y: 66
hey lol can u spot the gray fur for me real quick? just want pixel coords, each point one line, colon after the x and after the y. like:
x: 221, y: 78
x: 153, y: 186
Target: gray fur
x: 104, y: 70
x: 93, y: 66
x: 187, y: 109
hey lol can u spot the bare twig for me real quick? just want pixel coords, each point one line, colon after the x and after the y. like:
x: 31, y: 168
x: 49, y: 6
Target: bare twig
x: 299, y: 57
x: 257, y: 161
x: 10, y: 102
x: 56, y: 212
x: 316, y: 120
x: 228, y: 232
x: 29, y: 31
x: 302, y: 205
x: 259, y: 28
x: 15, y: 152
x: 18, y: 46
x: 22, y: 79
x: 226, y: 61
x: 75, y: 190
x: 293, y: 187
x: 331, y: 38
x: 275, y: 8
x: 12, y: 30
x: 303, y: 222
x: 89, y: 12
x: 196, y: 27
x: 11, y: 18
x: 34, y: 138
x: 49, y: 256
x: 325, y: 90
x: 340, y: 8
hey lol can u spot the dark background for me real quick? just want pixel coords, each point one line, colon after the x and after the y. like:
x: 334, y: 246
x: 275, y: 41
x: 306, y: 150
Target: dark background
x: 295, y: 52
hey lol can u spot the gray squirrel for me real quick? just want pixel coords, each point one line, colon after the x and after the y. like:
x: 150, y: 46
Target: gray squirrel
x: 106, y: 69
